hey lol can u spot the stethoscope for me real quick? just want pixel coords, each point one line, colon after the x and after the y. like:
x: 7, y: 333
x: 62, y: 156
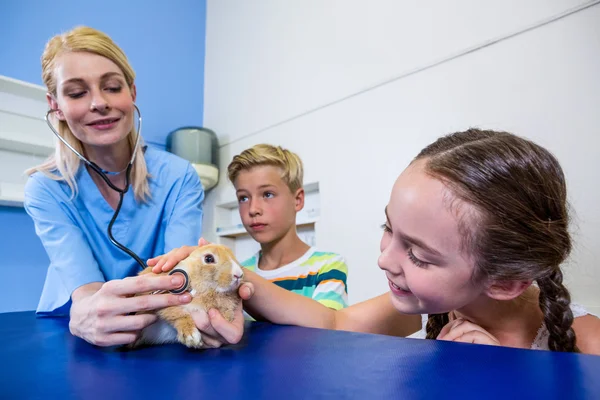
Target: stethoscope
x: 103, y: 174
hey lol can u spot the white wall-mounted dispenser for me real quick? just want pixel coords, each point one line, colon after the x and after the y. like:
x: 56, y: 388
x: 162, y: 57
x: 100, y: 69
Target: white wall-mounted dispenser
x: 200, y: 147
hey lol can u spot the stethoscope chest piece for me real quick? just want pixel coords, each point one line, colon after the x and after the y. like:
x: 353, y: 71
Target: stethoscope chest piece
x: 186, y: 282
x: 183, y: 288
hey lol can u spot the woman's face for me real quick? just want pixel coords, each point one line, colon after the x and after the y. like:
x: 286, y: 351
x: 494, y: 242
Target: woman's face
x: 421, y: 248
x: 93, y: 98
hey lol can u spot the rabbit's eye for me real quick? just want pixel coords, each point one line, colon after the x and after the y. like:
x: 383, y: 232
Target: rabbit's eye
x: 209, y: 259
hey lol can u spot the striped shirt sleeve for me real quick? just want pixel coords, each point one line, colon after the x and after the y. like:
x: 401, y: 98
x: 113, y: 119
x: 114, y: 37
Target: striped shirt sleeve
x: 331, y: 288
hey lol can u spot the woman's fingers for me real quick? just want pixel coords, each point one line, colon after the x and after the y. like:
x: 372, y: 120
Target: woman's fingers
x: 142, y: 284
x: 127, y: 323
x: 210, y: 342
x: 115, y: 339
x: 216, y: 330
x: 203, y: 324
x: 232, y: 332
x: 151, y: 302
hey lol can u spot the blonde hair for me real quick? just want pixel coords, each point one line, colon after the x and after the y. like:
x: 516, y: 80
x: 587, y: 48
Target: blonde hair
x: 85, y: 39
x: 266, y: 154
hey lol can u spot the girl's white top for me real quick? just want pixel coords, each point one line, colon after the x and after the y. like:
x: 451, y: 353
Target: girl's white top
x: 539, y: 343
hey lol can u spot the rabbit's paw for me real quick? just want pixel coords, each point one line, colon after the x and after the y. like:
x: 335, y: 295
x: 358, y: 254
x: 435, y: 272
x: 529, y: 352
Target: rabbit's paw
x: 190, y: 338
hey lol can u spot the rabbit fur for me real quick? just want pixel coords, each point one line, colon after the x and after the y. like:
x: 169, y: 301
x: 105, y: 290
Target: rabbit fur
x: 214, y: 278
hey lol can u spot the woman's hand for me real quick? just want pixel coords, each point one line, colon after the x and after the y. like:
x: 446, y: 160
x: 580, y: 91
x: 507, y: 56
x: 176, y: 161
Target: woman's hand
x: 461, y: 330
x: 102, y: 314
x: 216, y: 330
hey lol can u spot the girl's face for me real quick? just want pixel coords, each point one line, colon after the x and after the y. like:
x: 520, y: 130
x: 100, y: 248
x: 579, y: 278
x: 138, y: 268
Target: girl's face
x: 421, y: 248
x: 93, y: 98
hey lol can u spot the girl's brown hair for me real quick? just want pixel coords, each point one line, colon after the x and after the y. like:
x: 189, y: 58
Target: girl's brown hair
x: 519, y: 230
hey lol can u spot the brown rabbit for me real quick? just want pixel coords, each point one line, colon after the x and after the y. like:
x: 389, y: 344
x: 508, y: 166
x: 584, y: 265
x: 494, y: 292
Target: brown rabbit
x: 214, y: 277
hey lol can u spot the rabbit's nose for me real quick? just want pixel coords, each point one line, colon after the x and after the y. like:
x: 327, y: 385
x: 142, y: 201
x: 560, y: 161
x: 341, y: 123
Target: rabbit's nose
x: 237, y: 272
x: 238, y: 275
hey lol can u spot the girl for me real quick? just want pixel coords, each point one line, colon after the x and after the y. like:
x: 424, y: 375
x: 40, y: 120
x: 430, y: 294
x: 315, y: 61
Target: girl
x: 91, y: 91
x: 476, y: 230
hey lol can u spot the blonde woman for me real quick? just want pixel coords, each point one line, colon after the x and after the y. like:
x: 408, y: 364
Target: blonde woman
x: 91, y: 86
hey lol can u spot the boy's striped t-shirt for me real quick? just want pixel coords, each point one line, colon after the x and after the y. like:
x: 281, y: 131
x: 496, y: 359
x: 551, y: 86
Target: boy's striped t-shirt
x: 318, y: 275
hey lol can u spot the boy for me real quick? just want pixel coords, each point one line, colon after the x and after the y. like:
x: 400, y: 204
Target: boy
x: 268, y: 183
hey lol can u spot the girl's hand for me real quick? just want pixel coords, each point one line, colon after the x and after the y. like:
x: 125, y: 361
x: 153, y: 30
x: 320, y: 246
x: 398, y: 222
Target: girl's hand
x: 461, y: 330
x: 168, y: 261
x: 103, y: 314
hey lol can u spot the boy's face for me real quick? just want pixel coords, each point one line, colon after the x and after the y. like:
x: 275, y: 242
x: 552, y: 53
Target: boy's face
x: 267, y: 206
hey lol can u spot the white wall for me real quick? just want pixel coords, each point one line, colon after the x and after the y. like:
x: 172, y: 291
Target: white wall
x: 24, y: 138
x: 295, y: 73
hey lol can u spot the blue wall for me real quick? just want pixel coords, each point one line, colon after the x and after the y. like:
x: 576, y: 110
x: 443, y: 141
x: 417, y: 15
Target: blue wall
x: 164, y: 42
x: 24, y: 261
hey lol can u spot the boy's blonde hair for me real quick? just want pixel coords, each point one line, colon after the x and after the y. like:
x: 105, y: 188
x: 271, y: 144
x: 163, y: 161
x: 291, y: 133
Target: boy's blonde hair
x: 266, y: 154
x: 64, y: 161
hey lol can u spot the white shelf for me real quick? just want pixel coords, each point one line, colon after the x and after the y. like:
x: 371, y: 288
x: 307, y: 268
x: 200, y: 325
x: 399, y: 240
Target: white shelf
x: 22, y: 88
x: 311, y: 187
x: 22, y: 125
x: 230, y: 205
x: 241, y: 231
x: 27, y: 144
x: 25, y: 140
x: 12, y: 194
